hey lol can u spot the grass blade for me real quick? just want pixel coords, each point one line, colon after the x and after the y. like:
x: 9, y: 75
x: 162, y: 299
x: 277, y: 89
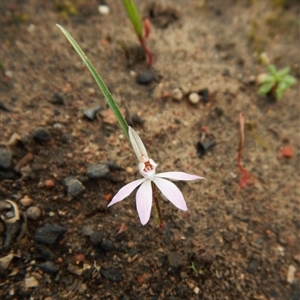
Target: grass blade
x: 111, y: 102
x: 134, y: 17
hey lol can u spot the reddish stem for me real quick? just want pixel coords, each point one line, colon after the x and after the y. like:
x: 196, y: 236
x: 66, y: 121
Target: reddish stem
x: 244, y: 172
x: 147, y: 51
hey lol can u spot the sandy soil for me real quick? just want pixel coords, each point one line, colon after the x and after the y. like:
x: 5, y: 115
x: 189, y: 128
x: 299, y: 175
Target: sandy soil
x: 242, y: 242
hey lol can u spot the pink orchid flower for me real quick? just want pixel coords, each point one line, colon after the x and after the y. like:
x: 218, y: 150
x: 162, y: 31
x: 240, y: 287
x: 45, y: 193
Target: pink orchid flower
x: 147, y: 169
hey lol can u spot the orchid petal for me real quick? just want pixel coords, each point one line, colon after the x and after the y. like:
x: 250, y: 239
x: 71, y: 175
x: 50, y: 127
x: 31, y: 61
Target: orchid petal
x: 144, y: 201
x: 137, y: 144
x: 171, y: 191
x: 125, y: 191
x: 179, y: 176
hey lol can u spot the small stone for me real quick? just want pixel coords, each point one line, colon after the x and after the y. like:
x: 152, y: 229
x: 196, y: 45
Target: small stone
x: 252, y: 79
x: 129, y: 170
x: 107, y: 246
x: 41, y: 135
x: 186, y: 89
x: 196, y: 290
x: 144, y: 77
x: 98, y: 171
x: 48, y: 267
x: 57, y: 98
x: 96, y: 238
x: 290, y: 278
x: 3, y: 107
x: 75, y: 270
x: 103, y: 9
x: 5, y: 262
x: 177, y: 94
x: 5, y: 158
x: 33, y: 213
x: 113, y: 274
x: 194, y: 98
x: 91, y: 113
x: 49, y: 233
x: 205, y: 94
x: 66, y: 138
x: 31, y: 282
x: 26, y: 201
x: 49, y: 184
x: 226, y: 72
x: 287, y: 152
x: 86, y: 230
x: 74, y: 186
x: 43, y: 252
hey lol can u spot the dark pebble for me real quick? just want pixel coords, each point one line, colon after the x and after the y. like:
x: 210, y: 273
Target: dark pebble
x: 48, y: 267
x: 6, y: 174
x: 205, y: 94
x: 3, y: 107
x: 113, y: 166
x: 41, y: 135
x: 96, y: 238
x: 66, y: 138
x: 113, y: 275
x: 91, y: 113
x: 5, y: 158
x: 144, y: 77
x: 98, y: 171
x: 202, y: 148
x: 74, y: 186
x: 48, y: 234
x: 107, y: 246
x: 57, y: 98
x: 226, y: 72
x: 43, y: 252
x: 12, y: 230
x: 254, y: 265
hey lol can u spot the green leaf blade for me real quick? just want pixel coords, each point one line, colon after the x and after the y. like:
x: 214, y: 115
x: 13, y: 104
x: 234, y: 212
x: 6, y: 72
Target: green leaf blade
x: 106, y: 93
x: 134, y: 17
x: 265, y: 87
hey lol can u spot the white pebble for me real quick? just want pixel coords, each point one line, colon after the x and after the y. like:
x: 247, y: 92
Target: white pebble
x: 186, y: 88
x: 132, y: 73
x: 196, y: 290
x: 194, y: 98
x: 31, y: 28
x: 103, y: 9
x: 177, y: 94
x: 290, y: 278
x: 26, y: 201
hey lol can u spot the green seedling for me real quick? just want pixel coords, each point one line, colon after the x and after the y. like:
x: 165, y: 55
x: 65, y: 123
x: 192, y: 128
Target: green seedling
x: 141, y: 33
x: 193, y: 268
x: 276, y: 82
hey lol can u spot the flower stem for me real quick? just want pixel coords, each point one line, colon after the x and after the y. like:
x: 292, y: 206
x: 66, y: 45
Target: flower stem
x: 155, y: 197
x: 147, y: 51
